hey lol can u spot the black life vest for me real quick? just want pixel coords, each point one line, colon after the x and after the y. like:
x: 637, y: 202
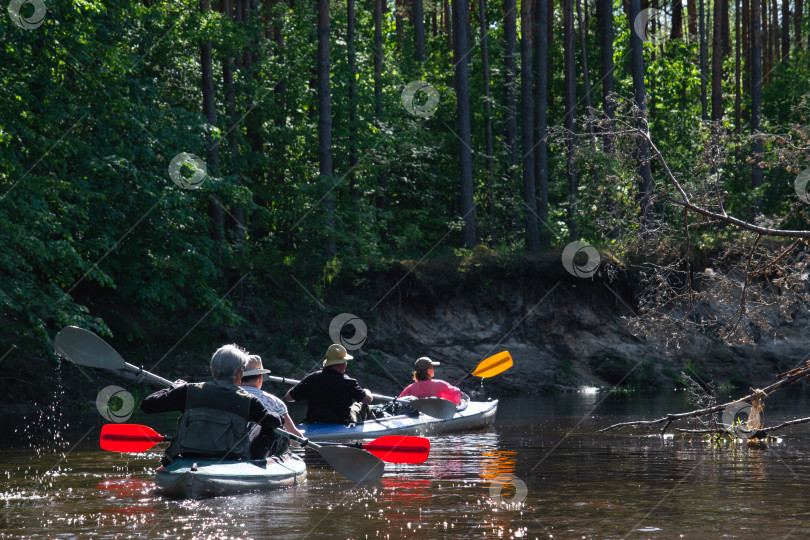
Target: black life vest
x: 214, y: 423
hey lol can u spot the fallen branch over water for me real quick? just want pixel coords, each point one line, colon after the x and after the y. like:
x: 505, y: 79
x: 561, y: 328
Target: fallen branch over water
x: 747, y: 433
x: 782, y: 380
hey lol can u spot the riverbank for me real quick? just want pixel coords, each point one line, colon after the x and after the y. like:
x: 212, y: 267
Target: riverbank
x: 564, y: 332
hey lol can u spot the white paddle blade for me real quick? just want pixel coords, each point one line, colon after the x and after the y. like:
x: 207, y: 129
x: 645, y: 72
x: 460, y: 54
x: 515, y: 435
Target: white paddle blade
x: 435, y: 407
x: 83, y: 347
x: 355, y: 464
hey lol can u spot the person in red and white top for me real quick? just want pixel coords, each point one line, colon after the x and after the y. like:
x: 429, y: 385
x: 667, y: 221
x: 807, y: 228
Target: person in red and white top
x: 425, y: 386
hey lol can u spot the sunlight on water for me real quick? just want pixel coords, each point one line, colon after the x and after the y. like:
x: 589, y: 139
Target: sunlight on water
x: 531, y: 476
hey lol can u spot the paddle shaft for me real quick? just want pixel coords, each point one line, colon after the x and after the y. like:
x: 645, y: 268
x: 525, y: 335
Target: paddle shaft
x: 146, y: 375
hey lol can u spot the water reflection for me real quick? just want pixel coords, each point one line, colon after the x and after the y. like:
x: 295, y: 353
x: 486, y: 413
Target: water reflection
x: 622, y: 484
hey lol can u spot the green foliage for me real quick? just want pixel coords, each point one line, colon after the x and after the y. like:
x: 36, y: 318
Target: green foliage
x: 98, y: 100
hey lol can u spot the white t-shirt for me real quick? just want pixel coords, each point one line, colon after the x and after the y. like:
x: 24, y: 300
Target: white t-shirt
x: 270, y: 401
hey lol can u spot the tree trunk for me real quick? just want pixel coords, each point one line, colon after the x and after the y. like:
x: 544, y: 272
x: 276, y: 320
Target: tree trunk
x: 540, y: 121
x: 569, y: 69
x: 448, y: 29
x: 677, y: 19
x: 746, y: 47
x: 510, y: 100
x: 325, y: 163
x: 639, y: 94
x: 355, y: 193
x: 717, y: 64
x: 756, y: 99
x: 737, y: 68
x: 606, y: 46
x: 233, y: 138
x: 461, y: 23
x: 419, y: 30
x: 704, y: 76
x: 785, y: 29
x: 586, y: 83
x: 797, y: 23
x: 210, y: 112
x: 766, y: 40
x: 399, y: 22
x: 774, y: 33
x: 692, y: 20
x: 725, y: 29
x: 527, y: 126
x: 490, y: 151
x: 379, y: 200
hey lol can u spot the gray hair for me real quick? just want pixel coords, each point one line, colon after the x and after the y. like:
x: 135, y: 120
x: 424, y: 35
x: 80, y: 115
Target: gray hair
x: 227, y: 360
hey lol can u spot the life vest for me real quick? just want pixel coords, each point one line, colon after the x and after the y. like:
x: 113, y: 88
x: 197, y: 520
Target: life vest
x: 214, y: 423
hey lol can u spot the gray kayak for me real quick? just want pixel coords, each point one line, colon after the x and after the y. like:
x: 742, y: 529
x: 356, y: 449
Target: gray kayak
x: 470, y: 415
x: 194, y: 478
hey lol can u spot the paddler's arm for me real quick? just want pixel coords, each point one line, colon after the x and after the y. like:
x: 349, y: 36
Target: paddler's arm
x: 168, y: 399
x: 258, y: 413
x: 368, y: 397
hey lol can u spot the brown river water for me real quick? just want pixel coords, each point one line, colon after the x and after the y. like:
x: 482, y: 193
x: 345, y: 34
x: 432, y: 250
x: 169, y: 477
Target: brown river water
x: 542, y: 471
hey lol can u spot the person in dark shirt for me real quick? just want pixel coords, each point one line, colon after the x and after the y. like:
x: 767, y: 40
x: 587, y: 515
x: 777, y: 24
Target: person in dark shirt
x: 331, y: 396
x: 216, y: 413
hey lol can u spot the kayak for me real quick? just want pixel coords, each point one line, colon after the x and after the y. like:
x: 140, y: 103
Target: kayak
x: 194, y: 478
x: 470, y: 415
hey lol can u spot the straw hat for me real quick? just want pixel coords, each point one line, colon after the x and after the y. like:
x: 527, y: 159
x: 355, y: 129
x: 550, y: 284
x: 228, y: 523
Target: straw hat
x: 336, y: 354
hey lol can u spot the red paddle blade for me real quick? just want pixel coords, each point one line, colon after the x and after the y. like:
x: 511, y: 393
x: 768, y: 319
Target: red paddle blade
x: 128, y: 437
x: 400, y: 448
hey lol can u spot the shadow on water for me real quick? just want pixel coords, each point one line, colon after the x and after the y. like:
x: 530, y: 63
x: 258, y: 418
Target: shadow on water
x: 541, y: 471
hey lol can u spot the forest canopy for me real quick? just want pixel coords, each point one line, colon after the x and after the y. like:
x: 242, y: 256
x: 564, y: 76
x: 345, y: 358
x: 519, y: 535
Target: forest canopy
x: 157, y: 155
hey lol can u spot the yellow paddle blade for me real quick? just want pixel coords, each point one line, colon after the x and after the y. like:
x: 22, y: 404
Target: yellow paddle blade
x: 493, y: 365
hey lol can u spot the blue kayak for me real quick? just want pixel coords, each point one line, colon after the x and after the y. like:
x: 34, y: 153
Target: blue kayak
x: 470, y: 415
x: 194, y: 478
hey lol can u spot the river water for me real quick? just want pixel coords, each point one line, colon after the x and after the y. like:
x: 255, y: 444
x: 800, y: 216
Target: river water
x: 542, y: 471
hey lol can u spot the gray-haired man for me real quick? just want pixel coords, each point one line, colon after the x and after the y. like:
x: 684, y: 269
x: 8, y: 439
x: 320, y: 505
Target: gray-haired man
x: 215, y: 413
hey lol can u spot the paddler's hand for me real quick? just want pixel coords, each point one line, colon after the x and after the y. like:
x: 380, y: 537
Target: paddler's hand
x: 179, y: 382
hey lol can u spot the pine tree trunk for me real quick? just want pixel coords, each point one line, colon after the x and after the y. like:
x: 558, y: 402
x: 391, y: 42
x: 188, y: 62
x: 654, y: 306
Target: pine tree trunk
x: 355, y: 193
x: 586, y: 84
x: 325, y: 163
x: 785, y: 29
x: 569, y: 69
x: 692, y: 18
x: 540, y: 120
x: 482, y: 19
x: 419, y: 30
x: 797, y: 23
x: 461, y: 24
x: 606, y: 46
x: 704, y: 75
x: 746, y: 47
x: 677, y: 20
x: 737, y: 68
x: 233, y: 138
x: 756, y: 99
x: 639, y: 94
x: 527, y: 127
x: 725, y: 29
x: 379, y: 200
x: 510, y: 101
x: 717, y: 64
x: 210, y: 112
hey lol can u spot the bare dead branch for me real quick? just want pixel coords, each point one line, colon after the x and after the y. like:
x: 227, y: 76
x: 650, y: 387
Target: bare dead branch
x: 748, y: 433
x: 783, y: 380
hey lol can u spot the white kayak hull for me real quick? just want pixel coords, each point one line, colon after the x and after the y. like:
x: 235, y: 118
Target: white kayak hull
x: 476, y: 415
x: 195, y: 478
